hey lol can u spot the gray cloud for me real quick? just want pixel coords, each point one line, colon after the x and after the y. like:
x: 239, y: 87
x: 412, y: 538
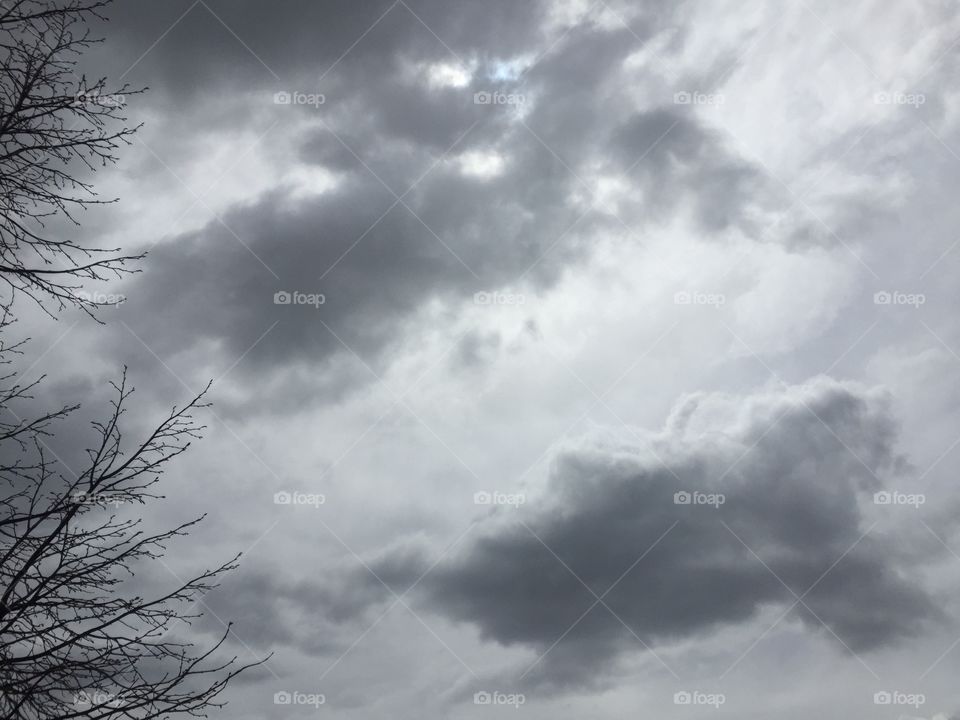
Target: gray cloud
x: 293, y: 42
x: 277, y: 612
x: 454, y: 234
x: 210, y: 286
x: 795, y: 467
x: 683, y: 161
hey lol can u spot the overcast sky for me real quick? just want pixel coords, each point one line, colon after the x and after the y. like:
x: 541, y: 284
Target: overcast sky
x: 594, y: 357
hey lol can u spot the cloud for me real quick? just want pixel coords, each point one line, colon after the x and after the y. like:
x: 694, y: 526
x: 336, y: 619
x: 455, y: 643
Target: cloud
x: 216, y: 47
x: 682, y: 160
x: 795, y: 468
x: 278, y: 612
x: 398, y: 223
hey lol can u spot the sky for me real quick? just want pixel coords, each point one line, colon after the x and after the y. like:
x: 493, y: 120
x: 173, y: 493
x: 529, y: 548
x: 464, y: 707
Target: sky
x: 570, y: 358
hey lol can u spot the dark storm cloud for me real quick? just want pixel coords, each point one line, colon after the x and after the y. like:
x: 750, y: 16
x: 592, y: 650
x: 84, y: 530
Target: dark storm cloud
x: 202, y: 46
x: 793, y: 487
x: 209, y: 286
x: 379, y: 132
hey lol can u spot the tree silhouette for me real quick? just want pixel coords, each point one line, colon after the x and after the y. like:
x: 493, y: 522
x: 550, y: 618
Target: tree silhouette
x: 55, y: 127
x: 75, y: 642
x: 80, y: 634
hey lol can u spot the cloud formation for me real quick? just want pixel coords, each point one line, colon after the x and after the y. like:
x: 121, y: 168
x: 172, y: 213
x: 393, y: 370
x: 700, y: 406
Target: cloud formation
x: 608, y: 558
x: 429, y: 196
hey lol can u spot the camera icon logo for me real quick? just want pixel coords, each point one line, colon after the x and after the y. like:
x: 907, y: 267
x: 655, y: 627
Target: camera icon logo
x: 682, y: 698
x: 482, y: 698
x: 882, y: 698
x: 884, y: 497
x: 282, y: 498
x: 281, y: 98
x: 882, y: 298
x: 682, y: 498
x: 681, y: 298
x: 682, y: 98
x: 482, y: 498
x: 282, y: 298
x: 282, y: 698
x: 482, y: 98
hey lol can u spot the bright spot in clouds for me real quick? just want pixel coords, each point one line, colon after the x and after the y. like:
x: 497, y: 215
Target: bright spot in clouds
x: 480, y: 164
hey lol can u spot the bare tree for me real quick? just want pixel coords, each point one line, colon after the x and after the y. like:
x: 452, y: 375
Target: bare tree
x: 55, y: 129
x: 75, y: 642
x: 80, y: 635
